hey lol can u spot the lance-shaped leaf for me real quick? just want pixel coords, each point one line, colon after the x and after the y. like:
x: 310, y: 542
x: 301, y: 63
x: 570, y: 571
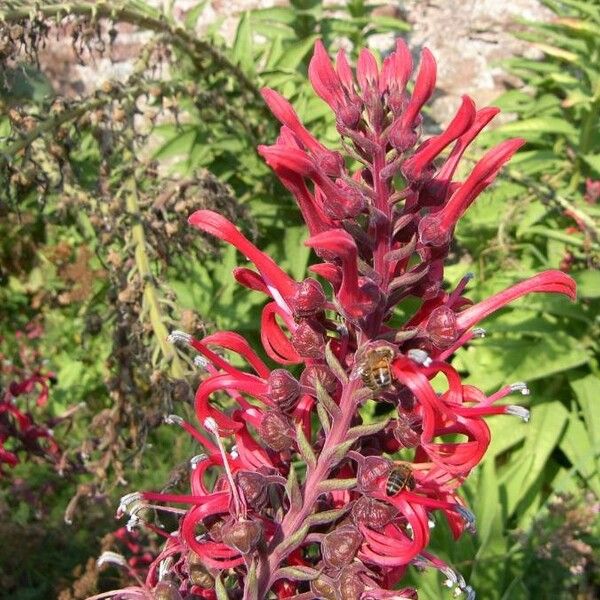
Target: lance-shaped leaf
x: 251, y: 585
x: 296, y: 573
x: 220, y: 589
x: 334, y: 485
x: 293, y: 541
x: 305, y: 448
x: 370, y: 429
x: 292, y: 489
x: 323, y: 418
x: 340, y: 451
x: 335, y: 365
x: 324, y: 399
x: 326, y: 516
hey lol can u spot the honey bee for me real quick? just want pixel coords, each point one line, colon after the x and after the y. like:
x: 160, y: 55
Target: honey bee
x: 400, y: 478
x: 375, y: 368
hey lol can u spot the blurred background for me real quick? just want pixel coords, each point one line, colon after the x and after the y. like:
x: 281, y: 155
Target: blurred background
x: 118, y: 118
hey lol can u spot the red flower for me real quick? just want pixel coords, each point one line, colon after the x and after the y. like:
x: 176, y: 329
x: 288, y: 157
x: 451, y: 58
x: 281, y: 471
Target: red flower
x: 348, y: 521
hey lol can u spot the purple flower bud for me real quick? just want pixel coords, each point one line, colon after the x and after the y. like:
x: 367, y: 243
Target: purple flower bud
x: 309, y: 298
x: 308, y: 342
x: 431, y: 231
x: 243, y: 535
x: 339, y: 547
x: 283, y: 389
x: 370, y: 470
x: 442, y: 328
x: 321, y: 373
x: 276, y: 431
x: 254, y: 487
x: 330, y: 162
x: 372, y: 513
x: 402, y: 138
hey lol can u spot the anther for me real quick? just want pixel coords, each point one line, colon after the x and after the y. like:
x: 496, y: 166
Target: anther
x: 479, y: 332
x: 419, y: 356
x: 518, y: 411
x: 111, y: 558
x: 164, y: 568
x: 130, y: 504
x: 520, y: 386
x: 197, y: 459
x: 179, y: 336
x: 173, y: 420
x: 468, y: 517
x: 201, y: 362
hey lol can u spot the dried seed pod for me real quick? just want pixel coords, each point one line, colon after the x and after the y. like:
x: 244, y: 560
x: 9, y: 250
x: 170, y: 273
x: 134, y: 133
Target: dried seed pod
x: 442, y: 328
x: 371, y: 469
x: 243, y: 535
x: 276, y: 431
x: 323, y: 587
x: 165, y: 590
x: 198, y: 573
x: 308, y: 299
x: 339, y: 547
x: 372, y: 513
x: 308, y: 342
x: 283, y: 389
x: 350, y: 585
x: 254, y: 487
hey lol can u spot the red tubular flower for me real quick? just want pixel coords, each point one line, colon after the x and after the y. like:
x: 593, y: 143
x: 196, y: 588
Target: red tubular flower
x: 356, y: 515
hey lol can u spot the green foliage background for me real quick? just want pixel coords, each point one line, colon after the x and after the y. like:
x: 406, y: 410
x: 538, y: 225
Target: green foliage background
x: 211, y: 119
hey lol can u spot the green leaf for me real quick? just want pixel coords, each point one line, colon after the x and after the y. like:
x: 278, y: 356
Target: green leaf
x: 220, y: 589
x: 324, y: 399
x: 326, y: 516
x: 242, y: 51
x: 543, y: 125
x: 579, y: 449
x: 586, y: 392
x: 193, y: 14
x: 296, y: 573
x: 296, y: 52
x: 323, y: 418
x: 334, y: 485
x: 548, y: 421
x: 593, y: 160
x: 588, y: 284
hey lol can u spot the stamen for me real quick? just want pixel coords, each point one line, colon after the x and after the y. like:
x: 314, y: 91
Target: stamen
x: 173, y: 420
x: 201, y: 362
x: 420, y: 357
x: 234, y: 452
x: 468, y: 518
x: 164, y: 568
x: 520, y: 386
x: 130, y: 504
x: 179, y: 336
x: 478, y: 332
x: 112, y: 558
x: 133, y: 523
x: 197, y: 459
x: 518, y: 411
x: 211, y: 425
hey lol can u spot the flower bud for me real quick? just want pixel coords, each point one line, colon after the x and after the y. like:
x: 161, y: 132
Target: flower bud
x: 308, y: 342
x: 283, y: 389
x: 276, y: 431
x: 243, y: 535
x: 372, y: 513
x: 309, y: 298
x: 432, y: 232
x: 349, y: 114
x: 407, y: 430
x: 330, y: 162
x: 441, y: 327
x: 370, y: 470
x: 254, y: 487
x: 321, y: 373
x: 214, y: 526
x: 339, y: 547
x: 402, y: 138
